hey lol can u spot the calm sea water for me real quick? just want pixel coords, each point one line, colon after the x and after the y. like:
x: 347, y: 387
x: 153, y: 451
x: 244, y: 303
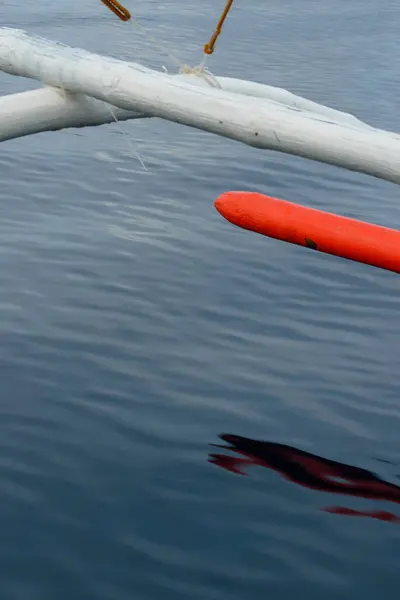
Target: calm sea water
x: 136, y: 325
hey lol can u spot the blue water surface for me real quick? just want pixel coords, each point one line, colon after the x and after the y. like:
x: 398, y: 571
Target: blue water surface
x: 136, y: 325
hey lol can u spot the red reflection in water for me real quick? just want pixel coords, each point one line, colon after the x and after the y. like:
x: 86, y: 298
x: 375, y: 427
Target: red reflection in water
x: 311, y: 471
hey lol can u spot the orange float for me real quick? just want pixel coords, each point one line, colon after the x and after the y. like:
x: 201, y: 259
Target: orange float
x: 322, y: 231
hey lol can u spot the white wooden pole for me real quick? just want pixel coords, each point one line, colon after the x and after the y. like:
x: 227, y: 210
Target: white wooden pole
x: 258, y: 122
x: 51, y: 109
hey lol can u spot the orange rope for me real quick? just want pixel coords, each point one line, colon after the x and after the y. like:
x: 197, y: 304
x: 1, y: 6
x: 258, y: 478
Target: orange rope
x: 117, y: 8
x: 209, y: 48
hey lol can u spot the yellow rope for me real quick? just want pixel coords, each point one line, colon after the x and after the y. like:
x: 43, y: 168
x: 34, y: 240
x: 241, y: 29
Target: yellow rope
x: 123, y: 13
x: 209, y: 48
x: 117, y: 8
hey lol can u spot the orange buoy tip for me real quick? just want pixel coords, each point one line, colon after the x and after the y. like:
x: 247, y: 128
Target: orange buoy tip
x: 315, y: 229
x: 228, y: 199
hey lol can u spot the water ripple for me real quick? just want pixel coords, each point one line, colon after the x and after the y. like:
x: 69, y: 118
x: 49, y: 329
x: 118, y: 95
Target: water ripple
x: 136, y: 325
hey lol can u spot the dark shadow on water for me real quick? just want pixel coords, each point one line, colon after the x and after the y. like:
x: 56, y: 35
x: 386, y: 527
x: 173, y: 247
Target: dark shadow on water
x: 309, y: 470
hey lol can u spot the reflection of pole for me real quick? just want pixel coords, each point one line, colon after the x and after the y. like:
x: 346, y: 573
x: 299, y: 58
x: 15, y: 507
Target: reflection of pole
x: 321, y: 231
x: 311, y: 471
x: 381, y: 515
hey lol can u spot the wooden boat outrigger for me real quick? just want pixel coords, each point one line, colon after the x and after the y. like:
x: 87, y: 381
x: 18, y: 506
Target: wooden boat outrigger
x: 86, y: 89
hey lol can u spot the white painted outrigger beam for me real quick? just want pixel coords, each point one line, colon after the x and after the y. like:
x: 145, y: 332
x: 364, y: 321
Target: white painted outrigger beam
x: 52, y: 109
x: 254, y: 114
